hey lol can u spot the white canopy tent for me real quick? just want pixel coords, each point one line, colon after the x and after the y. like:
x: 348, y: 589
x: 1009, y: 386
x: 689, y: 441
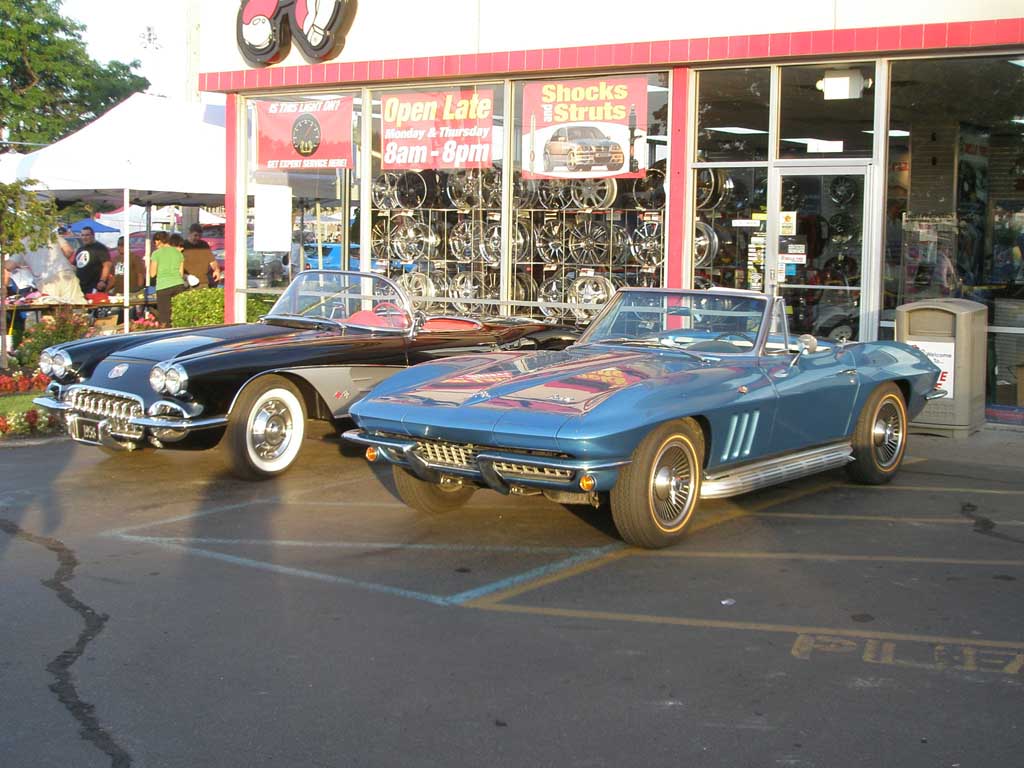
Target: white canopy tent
x: 147, y: 150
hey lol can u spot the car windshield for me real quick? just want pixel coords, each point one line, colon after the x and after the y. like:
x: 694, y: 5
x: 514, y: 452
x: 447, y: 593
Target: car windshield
x: 584, y: 132
x: 350, y: 299
x: 708, y: 322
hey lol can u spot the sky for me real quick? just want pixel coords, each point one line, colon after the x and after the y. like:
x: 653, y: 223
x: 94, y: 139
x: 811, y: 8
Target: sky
x: 117, y: 29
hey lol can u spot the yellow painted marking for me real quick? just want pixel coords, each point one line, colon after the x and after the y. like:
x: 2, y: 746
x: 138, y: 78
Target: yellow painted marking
x: 750, y: 626
x: 841, y: 518
x: 919, y: 655
x: 825, y: 556
x: 488, y: 600
x: 939, y: 489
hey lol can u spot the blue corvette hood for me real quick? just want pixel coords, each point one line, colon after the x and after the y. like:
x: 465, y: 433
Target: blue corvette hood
x: 525, y: 396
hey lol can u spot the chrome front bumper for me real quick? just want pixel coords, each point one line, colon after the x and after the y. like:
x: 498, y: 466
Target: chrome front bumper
x: 503, y: 471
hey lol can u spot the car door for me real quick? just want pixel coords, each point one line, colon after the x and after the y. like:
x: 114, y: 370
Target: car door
x: 816, y: 390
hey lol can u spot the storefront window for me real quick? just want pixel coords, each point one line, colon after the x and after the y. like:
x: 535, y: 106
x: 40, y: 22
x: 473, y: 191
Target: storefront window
x: 436, y: 194
x: 955, y: 201
x: 732, y: 115
x: 303, y: 180
x: 729, y: 234
x: 826, y: 111
x: 588, y: 190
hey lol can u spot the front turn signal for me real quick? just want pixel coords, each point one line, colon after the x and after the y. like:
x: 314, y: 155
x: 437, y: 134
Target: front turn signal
x: 587, y: 483
x: 371, y: 453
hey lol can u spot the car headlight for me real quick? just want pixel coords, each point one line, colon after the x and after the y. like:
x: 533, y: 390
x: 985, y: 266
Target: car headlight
x: 46, y: 363
x: 175, y: 380
x: 60, y: 364
x: 157, y: 377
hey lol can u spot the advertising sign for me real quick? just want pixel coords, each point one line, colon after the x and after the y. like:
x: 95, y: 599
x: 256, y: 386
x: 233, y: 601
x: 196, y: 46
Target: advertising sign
x: 304, y: 135
x: 443, y: 129
x: 585, y: 128
x: 942, y: 354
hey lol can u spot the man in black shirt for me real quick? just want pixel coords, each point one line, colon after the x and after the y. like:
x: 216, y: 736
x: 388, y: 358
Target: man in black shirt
x: 92, y: 263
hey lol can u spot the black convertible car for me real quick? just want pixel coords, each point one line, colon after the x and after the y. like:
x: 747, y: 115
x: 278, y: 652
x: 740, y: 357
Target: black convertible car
x: 326, y: 342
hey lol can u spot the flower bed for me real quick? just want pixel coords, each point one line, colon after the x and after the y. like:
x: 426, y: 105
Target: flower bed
x: 18, y: 416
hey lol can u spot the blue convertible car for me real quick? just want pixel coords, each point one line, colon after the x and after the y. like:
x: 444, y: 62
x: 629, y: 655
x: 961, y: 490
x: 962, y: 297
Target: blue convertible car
x: 670, y: 396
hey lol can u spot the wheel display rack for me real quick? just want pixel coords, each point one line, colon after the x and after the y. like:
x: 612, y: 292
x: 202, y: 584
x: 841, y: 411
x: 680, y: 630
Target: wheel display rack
x: 572, y: 241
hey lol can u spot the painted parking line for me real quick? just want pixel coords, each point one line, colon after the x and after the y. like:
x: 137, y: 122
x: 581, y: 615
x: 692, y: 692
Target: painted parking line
x: 823, y: 557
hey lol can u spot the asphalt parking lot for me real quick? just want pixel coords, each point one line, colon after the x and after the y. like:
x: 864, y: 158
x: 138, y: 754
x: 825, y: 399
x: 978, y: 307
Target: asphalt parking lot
x: 156, y: 612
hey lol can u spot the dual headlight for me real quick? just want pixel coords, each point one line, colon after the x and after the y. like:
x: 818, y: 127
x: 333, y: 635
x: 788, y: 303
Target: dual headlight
x: 171, y: 379
x: 56, y: 364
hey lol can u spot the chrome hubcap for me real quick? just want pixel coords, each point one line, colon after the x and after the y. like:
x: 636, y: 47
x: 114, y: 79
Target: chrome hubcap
x: 672, y: 486
x: 888, y: 434
x: 271, y: 429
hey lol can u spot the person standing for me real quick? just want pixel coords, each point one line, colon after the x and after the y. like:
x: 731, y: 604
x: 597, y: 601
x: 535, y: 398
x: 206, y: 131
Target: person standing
x: 167, y: 265
x: 92, y: 263
x: 199, y: 260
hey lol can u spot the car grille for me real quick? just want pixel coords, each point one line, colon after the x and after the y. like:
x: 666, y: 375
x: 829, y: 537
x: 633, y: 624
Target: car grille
x: 448, y: 454
x: 511, y: 471
x: 114, y: 407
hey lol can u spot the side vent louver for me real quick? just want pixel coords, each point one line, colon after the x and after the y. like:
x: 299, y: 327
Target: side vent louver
x: 740, y: 437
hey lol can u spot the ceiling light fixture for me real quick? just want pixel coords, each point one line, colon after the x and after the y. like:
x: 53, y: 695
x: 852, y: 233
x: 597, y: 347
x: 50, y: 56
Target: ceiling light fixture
x: 737, y: 130
x: 843, y: 84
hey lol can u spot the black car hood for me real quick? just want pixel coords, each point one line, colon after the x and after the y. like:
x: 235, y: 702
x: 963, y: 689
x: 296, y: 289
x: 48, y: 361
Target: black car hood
x: 215, y: 338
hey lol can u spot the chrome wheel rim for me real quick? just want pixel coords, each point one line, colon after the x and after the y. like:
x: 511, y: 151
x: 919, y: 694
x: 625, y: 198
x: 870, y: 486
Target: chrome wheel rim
x: 594, y: 193
x: 671, y: 493
x: 271, y: 429
x: 646, y: 243
x: 888, y: 434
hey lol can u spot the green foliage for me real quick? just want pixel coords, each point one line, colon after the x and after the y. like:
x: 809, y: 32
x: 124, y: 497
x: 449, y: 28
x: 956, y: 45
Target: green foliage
x: 24, y: 215
x: 63, y: 325
x: 49, y: 86
x: 205, y: 306
x: 199, y: 306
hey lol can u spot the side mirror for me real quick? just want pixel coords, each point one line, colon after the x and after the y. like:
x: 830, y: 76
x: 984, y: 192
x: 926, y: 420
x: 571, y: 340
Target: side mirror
x: 808, y: 346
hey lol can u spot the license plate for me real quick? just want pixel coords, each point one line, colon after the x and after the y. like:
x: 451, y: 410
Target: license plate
x: 87, y: 430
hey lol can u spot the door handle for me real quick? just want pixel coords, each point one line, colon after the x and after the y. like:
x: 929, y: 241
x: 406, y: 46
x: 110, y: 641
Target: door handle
x: 848, y: 372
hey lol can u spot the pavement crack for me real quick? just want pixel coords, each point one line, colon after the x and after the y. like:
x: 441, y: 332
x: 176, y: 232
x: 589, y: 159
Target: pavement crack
x: 984, y: 524
x: 60, y: 667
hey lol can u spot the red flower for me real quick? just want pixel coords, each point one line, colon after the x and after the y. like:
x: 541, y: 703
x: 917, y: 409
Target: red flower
x: 3, y: 425
x: 32, y: 417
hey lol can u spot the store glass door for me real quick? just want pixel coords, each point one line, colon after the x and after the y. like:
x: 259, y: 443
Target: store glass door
x: 818, y: 252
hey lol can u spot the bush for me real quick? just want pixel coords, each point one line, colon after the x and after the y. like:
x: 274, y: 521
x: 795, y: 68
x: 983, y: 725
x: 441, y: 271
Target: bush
x: 63, y: 325
x: 205, y: 306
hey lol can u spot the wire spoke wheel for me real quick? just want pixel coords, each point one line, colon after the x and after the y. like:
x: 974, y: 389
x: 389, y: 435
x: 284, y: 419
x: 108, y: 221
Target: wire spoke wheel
x: 888, y: 434
x: 671, y: 485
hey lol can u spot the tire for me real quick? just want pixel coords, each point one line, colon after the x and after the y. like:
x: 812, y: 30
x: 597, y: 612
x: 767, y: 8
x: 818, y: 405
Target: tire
x: 431, y: 498
x: 648, y: 508
x: 880, y: 437
x: 548, y: 163
x: 266, y: 428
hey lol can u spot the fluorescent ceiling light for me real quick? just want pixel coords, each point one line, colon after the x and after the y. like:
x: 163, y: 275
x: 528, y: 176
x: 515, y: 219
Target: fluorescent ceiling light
x: 1018, y: 62
x: 892, y: 132
x: 736, y: 129
x: 656, y: 88
x: 1019, y: 119
x: 819, y: 145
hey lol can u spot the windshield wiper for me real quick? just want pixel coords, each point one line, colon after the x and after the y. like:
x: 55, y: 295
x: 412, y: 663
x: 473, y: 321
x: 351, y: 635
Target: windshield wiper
x: 293, y: 319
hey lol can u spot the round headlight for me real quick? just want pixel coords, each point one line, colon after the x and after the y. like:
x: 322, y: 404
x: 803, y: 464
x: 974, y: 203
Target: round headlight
x: 157, y: 377
x: 176, y: 380
x: 60, y: 363
x: 46, y: 362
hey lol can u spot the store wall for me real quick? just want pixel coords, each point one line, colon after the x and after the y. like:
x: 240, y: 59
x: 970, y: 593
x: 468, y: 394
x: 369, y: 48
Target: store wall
x: 394, y: 29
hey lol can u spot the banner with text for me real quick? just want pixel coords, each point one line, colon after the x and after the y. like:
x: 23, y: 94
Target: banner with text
x: 585, y: 128
x: 304, y: 135
x: 444, y: 129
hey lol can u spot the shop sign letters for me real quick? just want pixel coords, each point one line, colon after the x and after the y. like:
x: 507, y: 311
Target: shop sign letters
x: 265, y: 29
x: 435, y: 130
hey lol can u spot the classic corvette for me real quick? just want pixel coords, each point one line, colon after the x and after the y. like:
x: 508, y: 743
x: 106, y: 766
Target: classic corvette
x: 670, y: 396
x: 328, y: 339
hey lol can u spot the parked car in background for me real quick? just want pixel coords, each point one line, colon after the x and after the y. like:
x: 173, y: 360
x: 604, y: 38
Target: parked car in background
x: 670, y: 396
x: 327, y: 340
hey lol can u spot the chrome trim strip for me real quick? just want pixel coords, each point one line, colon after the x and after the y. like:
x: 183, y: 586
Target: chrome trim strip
x: 173, y: 422
x: 777, y: 470
x: 935, y: 394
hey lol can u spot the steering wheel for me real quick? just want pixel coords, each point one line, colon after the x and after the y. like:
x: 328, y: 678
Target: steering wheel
x: 736, y: 334
x: 391, y: 311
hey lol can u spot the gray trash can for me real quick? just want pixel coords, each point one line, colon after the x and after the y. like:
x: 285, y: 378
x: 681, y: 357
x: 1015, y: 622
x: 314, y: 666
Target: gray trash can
x: 952, y: 332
